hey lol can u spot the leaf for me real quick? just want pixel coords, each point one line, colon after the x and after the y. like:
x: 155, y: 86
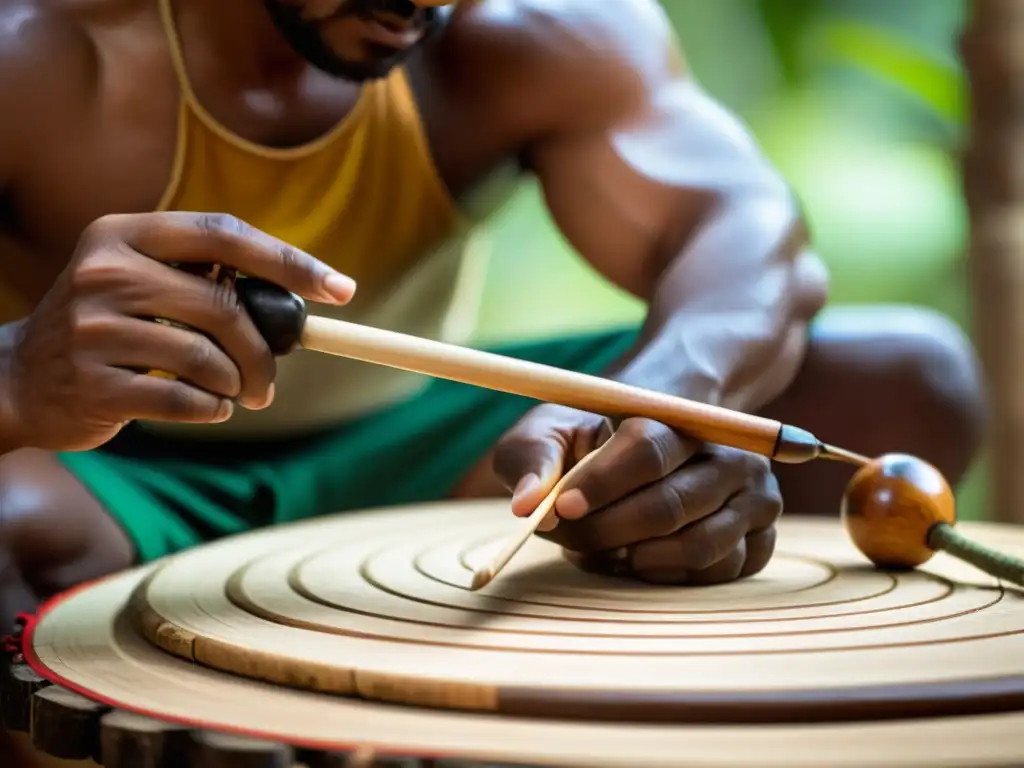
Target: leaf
x: 786, y: 23
x: 899, y: 61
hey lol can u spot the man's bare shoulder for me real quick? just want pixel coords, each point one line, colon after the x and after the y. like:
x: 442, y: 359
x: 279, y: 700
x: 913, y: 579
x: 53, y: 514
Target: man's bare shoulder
x: 51, y: 70
x: 47, y: 61
x: 36, y: 35
x: 600, y: 57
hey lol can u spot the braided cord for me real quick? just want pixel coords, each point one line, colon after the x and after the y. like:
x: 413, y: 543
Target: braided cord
x: 943, y: 536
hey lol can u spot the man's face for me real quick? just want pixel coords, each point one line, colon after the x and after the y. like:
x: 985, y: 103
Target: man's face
x: 353, y: 39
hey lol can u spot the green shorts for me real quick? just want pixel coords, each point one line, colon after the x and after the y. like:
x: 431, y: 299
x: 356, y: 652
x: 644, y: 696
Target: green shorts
x: 170, y: 494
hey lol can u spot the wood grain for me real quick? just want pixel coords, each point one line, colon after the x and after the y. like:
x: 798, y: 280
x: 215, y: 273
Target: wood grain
x: 65, y: 724
x: 530, y: 669
x: 212, y: 749
x: 128, y: 740
x: 541, y: 382
x: 19, y: 684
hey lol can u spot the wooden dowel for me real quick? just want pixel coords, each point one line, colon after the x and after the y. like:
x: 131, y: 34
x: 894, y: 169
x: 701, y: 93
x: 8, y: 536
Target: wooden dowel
x: 483, y: 575
x: 705, y: 422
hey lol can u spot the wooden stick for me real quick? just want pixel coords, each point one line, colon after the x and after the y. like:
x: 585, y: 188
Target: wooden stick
x: 705, y: 422
x: 485, y: 574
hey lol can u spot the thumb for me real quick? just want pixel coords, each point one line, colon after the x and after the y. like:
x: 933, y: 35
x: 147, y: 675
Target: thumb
x: 532, y: 457
x: 529, y: 463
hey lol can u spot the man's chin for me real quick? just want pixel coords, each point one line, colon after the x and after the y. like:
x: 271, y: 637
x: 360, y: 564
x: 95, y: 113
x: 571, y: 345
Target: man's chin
x: 353, y: 70
x: 306, y: 41
x: 358, y: 71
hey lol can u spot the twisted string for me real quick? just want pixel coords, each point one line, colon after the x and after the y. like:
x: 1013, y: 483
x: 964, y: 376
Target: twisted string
x: 943, y: 536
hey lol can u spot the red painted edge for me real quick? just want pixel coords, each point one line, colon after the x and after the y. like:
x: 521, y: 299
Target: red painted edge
x: 37, y: 666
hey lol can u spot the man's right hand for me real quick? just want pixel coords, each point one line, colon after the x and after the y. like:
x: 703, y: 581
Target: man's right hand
x: 75, y: 374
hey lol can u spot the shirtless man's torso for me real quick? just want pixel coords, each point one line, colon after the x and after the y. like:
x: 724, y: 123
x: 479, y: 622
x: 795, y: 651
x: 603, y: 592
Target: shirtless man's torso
x: 344, y: 148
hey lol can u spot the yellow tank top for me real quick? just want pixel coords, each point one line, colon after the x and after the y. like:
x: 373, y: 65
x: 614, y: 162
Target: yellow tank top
x: 366, y: 199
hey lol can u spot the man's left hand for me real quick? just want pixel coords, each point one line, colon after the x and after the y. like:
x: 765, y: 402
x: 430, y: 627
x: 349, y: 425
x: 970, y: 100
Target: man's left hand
x: 652, y: 504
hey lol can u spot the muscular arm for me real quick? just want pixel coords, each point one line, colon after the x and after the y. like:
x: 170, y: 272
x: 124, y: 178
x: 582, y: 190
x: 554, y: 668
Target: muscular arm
x: 666, y: 195
x: 44, y: 62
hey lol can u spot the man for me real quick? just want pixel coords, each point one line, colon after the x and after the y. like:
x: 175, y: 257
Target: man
x: 343, y: 149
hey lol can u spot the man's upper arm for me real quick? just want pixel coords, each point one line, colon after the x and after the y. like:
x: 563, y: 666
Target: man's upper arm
x: 45, y: 56
x: 637, y: 155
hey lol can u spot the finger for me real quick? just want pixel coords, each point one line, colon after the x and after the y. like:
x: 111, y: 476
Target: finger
x: 757, y: 548
x: 139, y: 396
x: 706, y: 541
x: 688, y: 495
x: 694, y: 548
x: 215, y: 310
x: 529, y: 465
x: 726, y: 569
x: 760, y: 548
x: 196, y: 237
x: 587, y: 440
x: 703, y: 548
x: 638, y: 453
x: 144, y: 345
x: 534, y: 455
x: 592, y: 433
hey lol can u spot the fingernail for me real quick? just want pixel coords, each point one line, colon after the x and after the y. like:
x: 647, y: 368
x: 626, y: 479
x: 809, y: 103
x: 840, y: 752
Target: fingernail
x: 524, y: 488
x: 548, y: 524
x: 271, y: 391
x: 572, y: 505
x: 339, y: 287
x: 227, y: 409
x: 525, y: 485
x: 257, y: 405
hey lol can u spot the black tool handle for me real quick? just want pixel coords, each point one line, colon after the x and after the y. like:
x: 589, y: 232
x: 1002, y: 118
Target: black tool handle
x: 278, y: 314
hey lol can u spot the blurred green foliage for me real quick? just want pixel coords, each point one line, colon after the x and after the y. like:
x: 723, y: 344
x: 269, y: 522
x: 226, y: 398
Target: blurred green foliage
x: 860, y: 103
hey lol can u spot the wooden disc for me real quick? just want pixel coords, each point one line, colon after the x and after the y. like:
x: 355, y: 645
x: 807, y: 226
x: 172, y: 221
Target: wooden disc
x: 288, y: 624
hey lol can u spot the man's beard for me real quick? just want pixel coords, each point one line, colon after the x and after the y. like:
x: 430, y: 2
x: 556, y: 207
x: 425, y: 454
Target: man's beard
x: 304, y: 36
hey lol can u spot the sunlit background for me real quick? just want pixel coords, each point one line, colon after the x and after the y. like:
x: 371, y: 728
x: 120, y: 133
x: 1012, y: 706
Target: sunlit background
x: 860, y: 103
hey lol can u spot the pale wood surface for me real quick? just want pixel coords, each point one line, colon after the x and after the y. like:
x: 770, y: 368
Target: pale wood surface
x: 373, y: 603
x: 485, y: 574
